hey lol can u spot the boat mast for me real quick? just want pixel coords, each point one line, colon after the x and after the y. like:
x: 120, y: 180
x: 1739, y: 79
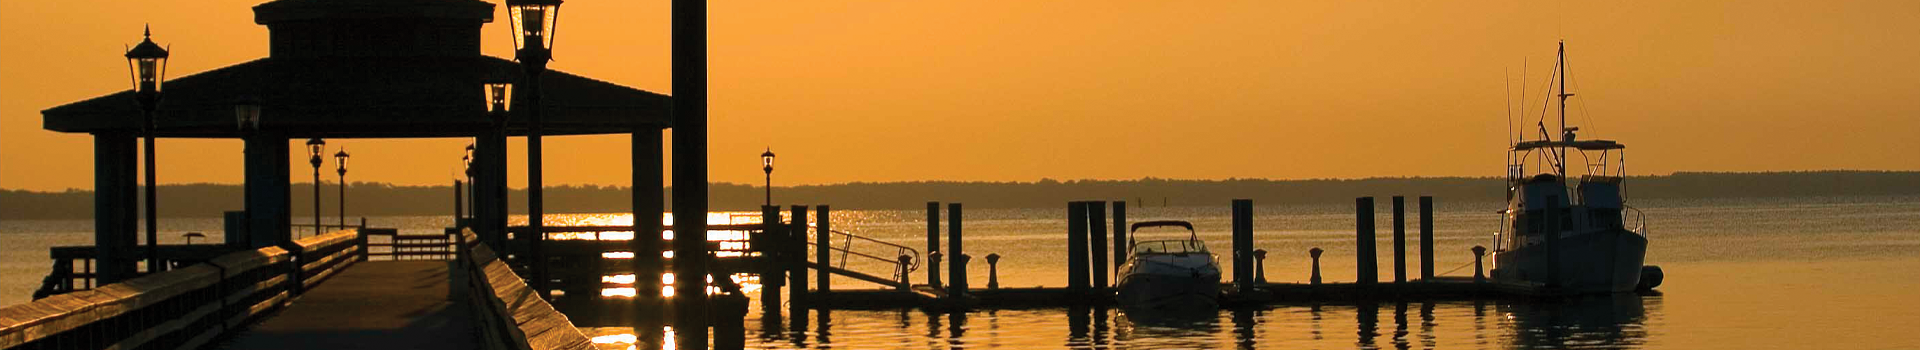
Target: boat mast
x: 1564, y: 135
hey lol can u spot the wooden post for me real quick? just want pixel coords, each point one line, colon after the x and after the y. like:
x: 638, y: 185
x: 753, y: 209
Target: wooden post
x: 773, y: 271
x: 1120, y: 243
x: 1426, y: 237
x: 1366, y: 266
x: 933, y: 244
x: 797, y: 261
x: 822, y: 256
x: 957, y: 286
x: 689, y: 46
x: 1243, y: 245
x: 1077, y: 247
x: 1097, y: 242
x: 649, y: 208
x: 114, y: 208
x: 1399, y: 239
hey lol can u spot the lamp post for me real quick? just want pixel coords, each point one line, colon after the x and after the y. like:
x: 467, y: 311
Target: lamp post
x: 466, y: 167
x: 340, y: 160
x: 499, y: 101
x: 315, y: 148
x: 534, y: 22
x: 766, y: 165
x: 147, y: 62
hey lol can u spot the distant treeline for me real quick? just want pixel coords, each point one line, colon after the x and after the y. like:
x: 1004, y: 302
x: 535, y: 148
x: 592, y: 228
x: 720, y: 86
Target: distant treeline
x: 370, y: 199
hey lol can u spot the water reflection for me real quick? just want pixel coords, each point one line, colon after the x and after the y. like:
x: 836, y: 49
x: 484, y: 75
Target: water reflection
x: 1608, y: 321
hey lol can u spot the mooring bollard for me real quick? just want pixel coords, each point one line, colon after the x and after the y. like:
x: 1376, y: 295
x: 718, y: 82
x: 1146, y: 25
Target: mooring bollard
x: 933, y: 263
x: 906, y: 276
x: 993, y: 271
x: 1260, y: 266
x: 1479, y: 275
x: 1315, y: 253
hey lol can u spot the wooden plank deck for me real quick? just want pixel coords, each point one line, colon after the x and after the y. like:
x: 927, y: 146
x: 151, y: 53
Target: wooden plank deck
x: 372, y: 305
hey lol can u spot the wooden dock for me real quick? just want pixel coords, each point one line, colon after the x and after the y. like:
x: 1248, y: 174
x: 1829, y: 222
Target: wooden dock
x: 386, y: 304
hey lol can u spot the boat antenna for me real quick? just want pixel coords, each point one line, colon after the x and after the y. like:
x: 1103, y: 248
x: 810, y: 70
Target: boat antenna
x: 1508, y: 79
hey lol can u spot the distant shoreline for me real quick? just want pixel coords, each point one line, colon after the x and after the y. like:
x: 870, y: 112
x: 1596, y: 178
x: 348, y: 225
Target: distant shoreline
x: 378, y: 199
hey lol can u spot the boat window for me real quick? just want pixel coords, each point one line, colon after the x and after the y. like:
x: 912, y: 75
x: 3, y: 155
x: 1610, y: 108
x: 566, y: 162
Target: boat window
x: 1169, y: 246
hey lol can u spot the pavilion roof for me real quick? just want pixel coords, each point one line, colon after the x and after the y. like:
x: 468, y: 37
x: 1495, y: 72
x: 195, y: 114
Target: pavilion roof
x: 367, y: 97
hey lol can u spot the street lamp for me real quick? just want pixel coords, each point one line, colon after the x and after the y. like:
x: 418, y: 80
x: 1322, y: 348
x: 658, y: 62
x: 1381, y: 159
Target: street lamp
x: 766, y: 165
x: 534, y: 26
x: 147, y: 62
x: 498, y: 91
x: 315, y: 148
x: 466, y: 164
x: 340, y: 160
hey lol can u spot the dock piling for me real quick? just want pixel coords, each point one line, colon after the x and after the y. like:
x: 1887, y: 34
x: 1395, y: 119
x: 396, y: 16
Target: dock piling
x: 1426, y: 238
x: 1243, y: 245
x: 772, y: 274
x: 1077, y: 246
x: 822, y: 254
x: 1399, y: 239
x: 933, y: 244
x: 957, y: 287
x: 933, y: 264
x: 796, y: 262
x: 1366, y: 265
x: 1315, y: 253
x: 993, y: 271
x: 1097, y: 240
x: 1120, y: 243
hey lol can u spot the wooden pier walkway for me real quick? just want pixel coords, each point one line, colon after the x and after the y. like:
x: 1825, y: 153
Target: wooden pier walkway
x: 376, y: 305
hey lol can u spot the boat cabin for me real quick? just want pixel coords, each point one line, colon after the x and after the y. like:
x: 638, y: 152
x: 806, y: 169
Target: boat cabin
x: 1595, y: 202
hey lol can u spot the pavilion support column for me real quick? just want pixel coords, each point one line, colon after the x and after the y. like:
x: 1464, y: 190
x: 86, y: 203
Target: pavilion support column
x: 648, y: 207
x: 268, y: 188
x: 490, y: 189
x: 114, y: 207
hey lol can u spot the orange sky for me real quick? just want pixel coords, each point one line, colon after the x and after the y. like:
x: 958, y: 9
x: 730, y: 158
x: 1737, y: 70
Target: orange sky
x: 1019, y: 90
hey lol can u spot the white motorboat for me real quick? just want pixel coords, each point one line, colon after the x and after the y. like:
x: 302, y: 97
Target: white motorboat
x: 1570, y: 238
x: 1177, y: 274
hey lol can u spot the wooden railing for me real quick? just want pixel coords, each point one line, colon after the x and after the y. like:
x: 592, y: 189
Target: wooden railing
x: 184, y: 308
x: 510, y: 315
x: 406, y: 246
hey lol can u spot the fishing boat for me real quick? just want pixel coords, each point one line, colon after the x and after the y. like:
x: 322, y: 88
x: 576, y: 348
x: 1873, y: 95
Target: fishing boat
x: 1570, y: 236
x: 1175, y: 274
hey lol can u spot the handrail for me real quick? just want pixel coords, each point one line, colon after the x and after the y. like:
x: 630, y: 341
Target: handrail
x: 1640, y: 221
x: 511, y: 315
x: 182, y: 308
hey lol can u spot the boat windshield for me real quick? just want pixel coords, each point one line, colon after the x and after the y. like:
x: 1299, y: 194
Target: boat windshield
x: 1170, y: 247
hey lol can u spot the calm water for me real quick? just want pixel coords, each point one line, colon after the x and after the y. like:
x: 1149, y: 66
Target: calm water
x: 1741, y: 273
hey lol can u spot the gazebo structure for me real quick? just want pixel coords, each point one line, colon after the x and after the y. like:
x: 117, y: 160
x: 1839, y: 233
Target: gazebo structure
x: 354, y: 69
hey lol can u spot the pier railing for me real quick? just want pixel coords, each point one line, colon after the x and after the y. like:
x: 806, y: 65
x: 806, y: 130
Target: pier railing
x: 509, y: 314
x: 183, y: 308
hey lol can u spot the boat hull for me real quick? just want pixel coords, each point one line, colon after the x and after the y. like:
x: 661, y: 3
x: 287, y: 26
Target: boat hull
x: 1603, y: 261
x: 1170, y: 292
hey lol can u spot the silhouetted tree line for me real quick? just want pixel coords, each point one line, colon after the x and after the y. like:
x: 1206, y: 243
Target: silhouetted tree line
x: 371, y: 199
